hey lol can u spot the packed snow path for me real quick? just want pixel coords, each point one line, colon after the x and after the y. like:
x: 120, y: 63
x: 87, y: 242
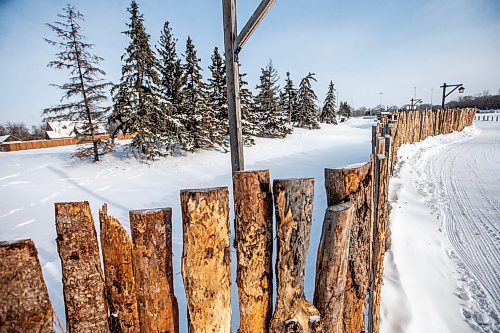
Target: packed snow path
x: 442, y: 271
x: 470, y: 176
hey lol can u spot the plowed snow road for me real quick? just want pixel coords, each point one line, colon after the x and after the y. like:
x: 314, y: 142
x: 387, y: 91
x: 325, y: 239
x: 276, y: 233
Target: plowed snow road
x: 469, y: 174
x: 442, y: 273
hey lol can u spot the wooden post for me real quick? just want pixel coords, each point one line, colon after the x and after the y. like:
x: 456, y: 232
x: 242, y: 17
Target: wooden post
x: 379, y: 244
x: 83, y: 281
x: 253, y: 206
x: 331, y: 266
x: 233, y: 85
x: 119, y: 274
x: 152, y: 260
x: 354, y: 185
x: 293, y: 200
x: 206, y: 259
x: 24, y: 301
x: 232, y: 46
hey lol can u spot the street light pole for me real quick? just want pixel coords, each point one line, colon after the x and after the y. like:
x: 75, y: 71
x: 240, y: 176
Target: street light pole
x: 459, y: 86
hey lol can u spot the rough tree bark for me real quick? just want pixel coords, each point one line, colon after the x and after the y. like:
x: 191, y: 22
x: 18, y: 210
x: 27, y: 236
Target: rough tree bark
x: 253, y: 206
x: 119, y: 274
x: 24, y: 301
x: 355, y: 185
x: 331, y: 266
x: 206, y: 259
x: 83, y: 281
x: 293, y: 200
x: 152, y: 261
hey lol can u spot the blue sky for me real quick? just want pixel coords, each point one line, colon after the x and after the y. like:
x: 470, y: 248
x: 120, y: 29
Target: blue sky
x: 365, y: 47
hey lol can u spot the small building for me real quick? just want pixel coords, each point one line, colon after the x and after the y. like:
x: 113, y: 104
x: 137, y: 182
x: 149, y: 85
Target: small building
x: 67, y: 129
x: 7, y: 138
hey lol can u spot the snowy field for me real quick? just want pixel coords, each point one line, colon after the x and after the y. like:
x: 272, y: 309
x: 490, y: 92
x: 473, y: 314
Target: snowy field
x: 442, y: 273
x: 31, y: 181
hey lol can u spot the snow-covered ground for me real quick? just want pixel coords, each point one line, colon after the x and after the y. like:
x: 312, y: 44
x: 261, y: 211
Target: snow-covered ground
x: 31, y: 181
x: 442, y: 273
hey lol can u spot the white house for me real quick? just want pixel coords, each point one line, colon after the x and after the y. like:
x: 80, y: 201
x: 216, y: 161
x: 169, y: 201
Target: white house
x: 67, y: 129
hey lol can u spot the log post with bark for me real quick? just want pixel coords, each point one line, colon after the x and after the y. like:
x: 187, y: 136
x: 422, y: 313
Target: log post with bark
x: 83, y: 281
x: 293, y: 201
x: 354, y: 185
x: 24, y: 301
x: 253, y: 206
x: 119, y: 274
x: 331, y: 266
x: 152, y: 261
x: 206, y: 259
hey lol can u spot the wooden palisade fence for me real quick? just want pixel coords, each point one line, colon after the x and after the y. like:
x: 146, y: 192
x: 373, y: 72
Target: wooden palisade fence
x: 134, y: 292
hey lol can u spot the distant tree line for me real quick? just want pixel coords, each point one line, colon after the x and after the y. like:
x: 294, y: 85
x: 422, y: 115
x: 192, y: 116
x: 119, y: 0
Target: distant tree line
x: 164, y: 99
x: 22, y: 132
x: 482, y: 101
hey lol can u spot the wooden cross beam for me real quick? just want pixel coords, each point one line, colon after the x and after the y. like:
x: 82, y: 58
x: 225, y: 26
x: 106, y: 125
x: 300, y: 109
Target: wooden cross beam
x: 232, y: 46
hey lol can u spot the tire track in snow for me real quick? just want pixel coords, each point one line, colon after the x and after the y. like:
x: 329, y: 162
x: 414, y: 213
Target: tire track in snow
x: 465, y: 173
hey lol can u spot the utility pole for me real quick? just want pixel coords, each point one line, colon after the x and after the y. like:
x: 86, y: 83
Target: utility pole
x: 233, y: 43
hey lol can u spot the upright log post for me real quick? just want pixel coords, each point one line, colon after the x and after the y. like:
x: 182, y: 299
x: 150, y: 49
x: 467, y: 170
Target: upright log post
x: 331, y: 266
x: 206, y: 259
x: 24, y: 301
x: 379, y: 244
x: 354, y: 185
x: 83, y: 281
x: 293, y: 200
x: 253, y: 206
x: 119, y: 274
x: 152, y: 260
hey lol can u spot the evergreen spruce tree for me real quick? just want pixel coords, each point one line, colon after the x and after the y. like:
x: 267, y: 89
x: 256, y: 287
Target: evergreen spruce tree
x: 272, y: 119
x: 197, y: 114
x: 85, y: 90
x: 249, y: 123
x: 218, y: 92
x: 289, y: 99
x: 139, y: 106
x: 170, y: 67
x: 345, y: 110
x: 328, y: 111
x: 306, y: 104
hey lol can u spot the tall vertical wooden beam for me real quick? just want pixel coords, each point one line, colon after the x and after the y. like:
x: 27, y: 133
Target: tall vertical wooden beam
x: 233, y: 85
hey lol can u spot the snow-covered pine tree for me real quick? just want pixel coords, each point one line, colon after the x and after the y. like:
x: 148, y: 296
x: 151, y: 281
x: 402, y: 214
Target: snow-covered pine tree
x: 170, y: 67
x: 328, y: 111
x: 306, y: 104
x: 85, y: 91
x: 272, y: 119
x: 289, y: 99
x: 249, y: 124
x: 345, y: 110
x: 199, y: 118
x: 138, y: 104
x: 218, y: 91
